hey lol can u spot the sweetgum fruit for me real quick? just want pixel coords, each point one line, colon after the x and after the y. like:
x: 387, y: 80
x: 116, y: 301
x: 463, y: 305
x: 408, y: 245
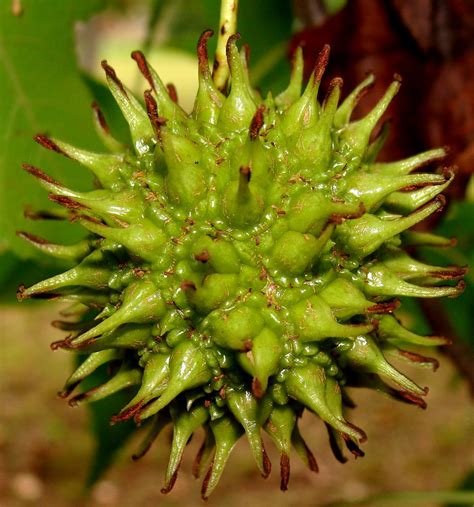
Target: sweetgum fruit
x: 243, y: 262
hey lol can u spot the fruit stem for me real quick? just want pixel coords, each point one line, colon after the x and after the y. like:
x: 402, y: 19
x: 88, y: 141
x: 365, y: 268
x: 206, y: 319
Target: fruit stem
x: 227, y: 27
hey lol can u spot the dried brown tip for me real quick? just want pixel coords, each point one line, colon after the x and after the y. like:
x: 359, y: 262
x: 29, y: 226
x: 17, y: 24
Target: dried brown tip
x: 257, y: 122
x: 172, y: 92
x: 31, y: 238
x: 152, y: 110
x: 321, y: 63
x: 418, y: 358
x: 126, y: 414
x: 352, y: 447
x: 397, y: 77
x: 49, y: 144
x: 388, y: 307
x: 245, y: 172
x: 110, y: 73
x: 450, y: 273
x: 198, y: 459
x: 187, y: 285
x: 61, y: 344
x: 142, y: 63
x: 205, y: 482
x: 336, y: 450
x: 257, y: 390
x: 203, y: 57
x: 336, y: 82
x: 408, y: 397
x: 100, y: 118
x: 30, y: 214
x: 362, y: 434
x: 231, y: 40
x: 267, y: 466
x: 203, y: 256
x: 284, y: 471
x: 460, y: 286
x: 67, y: 390
x: 38, y: 173
x: 168, y: 487
x: 66, y: 202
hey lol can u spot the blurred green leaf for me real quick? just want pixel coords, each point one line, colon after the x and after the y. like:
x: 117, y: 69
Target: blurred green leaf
x: 42, y: 92
x: 109, y: 439
x: 458, y: 223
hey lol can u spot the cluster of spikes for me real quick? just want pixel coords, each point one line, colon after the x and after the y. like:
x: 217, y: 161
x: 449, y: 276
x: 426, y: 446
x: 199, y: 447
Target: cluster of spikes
x: 243, y: 263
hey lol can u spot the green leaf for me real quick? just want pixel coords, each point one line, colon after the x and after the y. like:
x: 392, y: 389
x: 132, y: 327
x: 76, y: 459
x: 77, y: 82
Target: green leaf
x: 109, y: 439
x: 456, y: 223
x: 41, y: 92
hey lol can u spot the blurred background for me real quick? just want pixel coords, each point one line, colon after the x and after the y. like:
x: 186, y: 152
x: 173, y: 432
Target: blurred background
x: 50, y: 50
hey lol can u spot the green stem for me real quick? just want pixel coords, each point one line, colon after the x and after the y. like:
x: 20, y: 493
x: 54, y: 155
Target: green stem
x: 227, y: 27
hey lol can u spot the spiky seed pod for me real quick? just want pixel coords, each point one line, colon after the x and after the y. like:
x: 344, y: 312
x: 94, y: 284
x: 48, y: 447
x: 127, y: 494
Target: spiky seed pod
x: 243, y: 263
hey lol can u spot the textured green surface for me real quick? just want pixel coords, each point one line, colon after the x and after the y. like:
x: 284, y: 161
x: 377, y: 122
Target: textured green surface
x: 243, y: 263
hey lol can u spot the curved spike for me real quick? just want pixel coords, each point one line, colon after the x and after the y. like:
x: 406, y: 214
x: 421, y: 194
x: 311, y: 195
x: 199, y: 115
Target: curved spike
x: 244, y: 408
x: 88, y: 366
x: 407, y: 268
x: 90, y: 273
x: 128, y: 336
x: 346, y: 300
x: 106, y: 167
x: 187, y: 369
x: 209, y: 99
x: 418, y: 238
x: 306, y: 384
x: 74, y: 252
x: 186, y: 178
x: 303, y: 451
x: 354, y: 139
x: 293, y: 91
x: 143, y: 239
x: 280, y: 426
x: 137, y: 119
x: 305, y: 111
x: 184, y: 425
x: 207, y: 448
x: 124, y: 378
x: 408, y: 165
x: 344, y: 111
x: 241, y: 204
x: 364, y: 355
x: 390, y: 330
x: 379, y: 280
x: 406, y: 202
x: 373, y: 189
x: 154, y: 382
x: 226, y: 433
x: 103, y: 131
x: 314, y: 142
x: 142, y: 302
x: 239, y: 107
x: 158, y: 423
x: 363, y: 236
x: 314, y: 320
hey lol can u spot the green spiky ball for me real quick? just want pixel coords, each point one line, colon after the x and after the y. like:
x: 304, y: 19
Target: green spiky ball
x: 243, y: 262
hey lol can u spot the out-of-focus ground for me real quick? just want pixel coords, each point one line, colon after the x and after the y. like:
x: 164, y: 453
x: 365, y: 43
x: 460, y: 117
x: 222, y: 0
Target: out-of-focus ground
x: 45, y: 445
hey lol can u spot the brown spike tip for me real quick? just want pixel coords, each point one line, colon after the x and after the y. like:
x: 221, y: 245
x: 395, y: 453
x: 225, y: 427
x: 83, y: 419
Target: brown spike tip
x: 284, y: 471
x: 111, y: 74
x: 321, y: 63
x: 38, y: 173
x: 100, y: 118
x: 257, y: 122
x: 202, y: 54
x: 142, y: 63
x: 49, y: 144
